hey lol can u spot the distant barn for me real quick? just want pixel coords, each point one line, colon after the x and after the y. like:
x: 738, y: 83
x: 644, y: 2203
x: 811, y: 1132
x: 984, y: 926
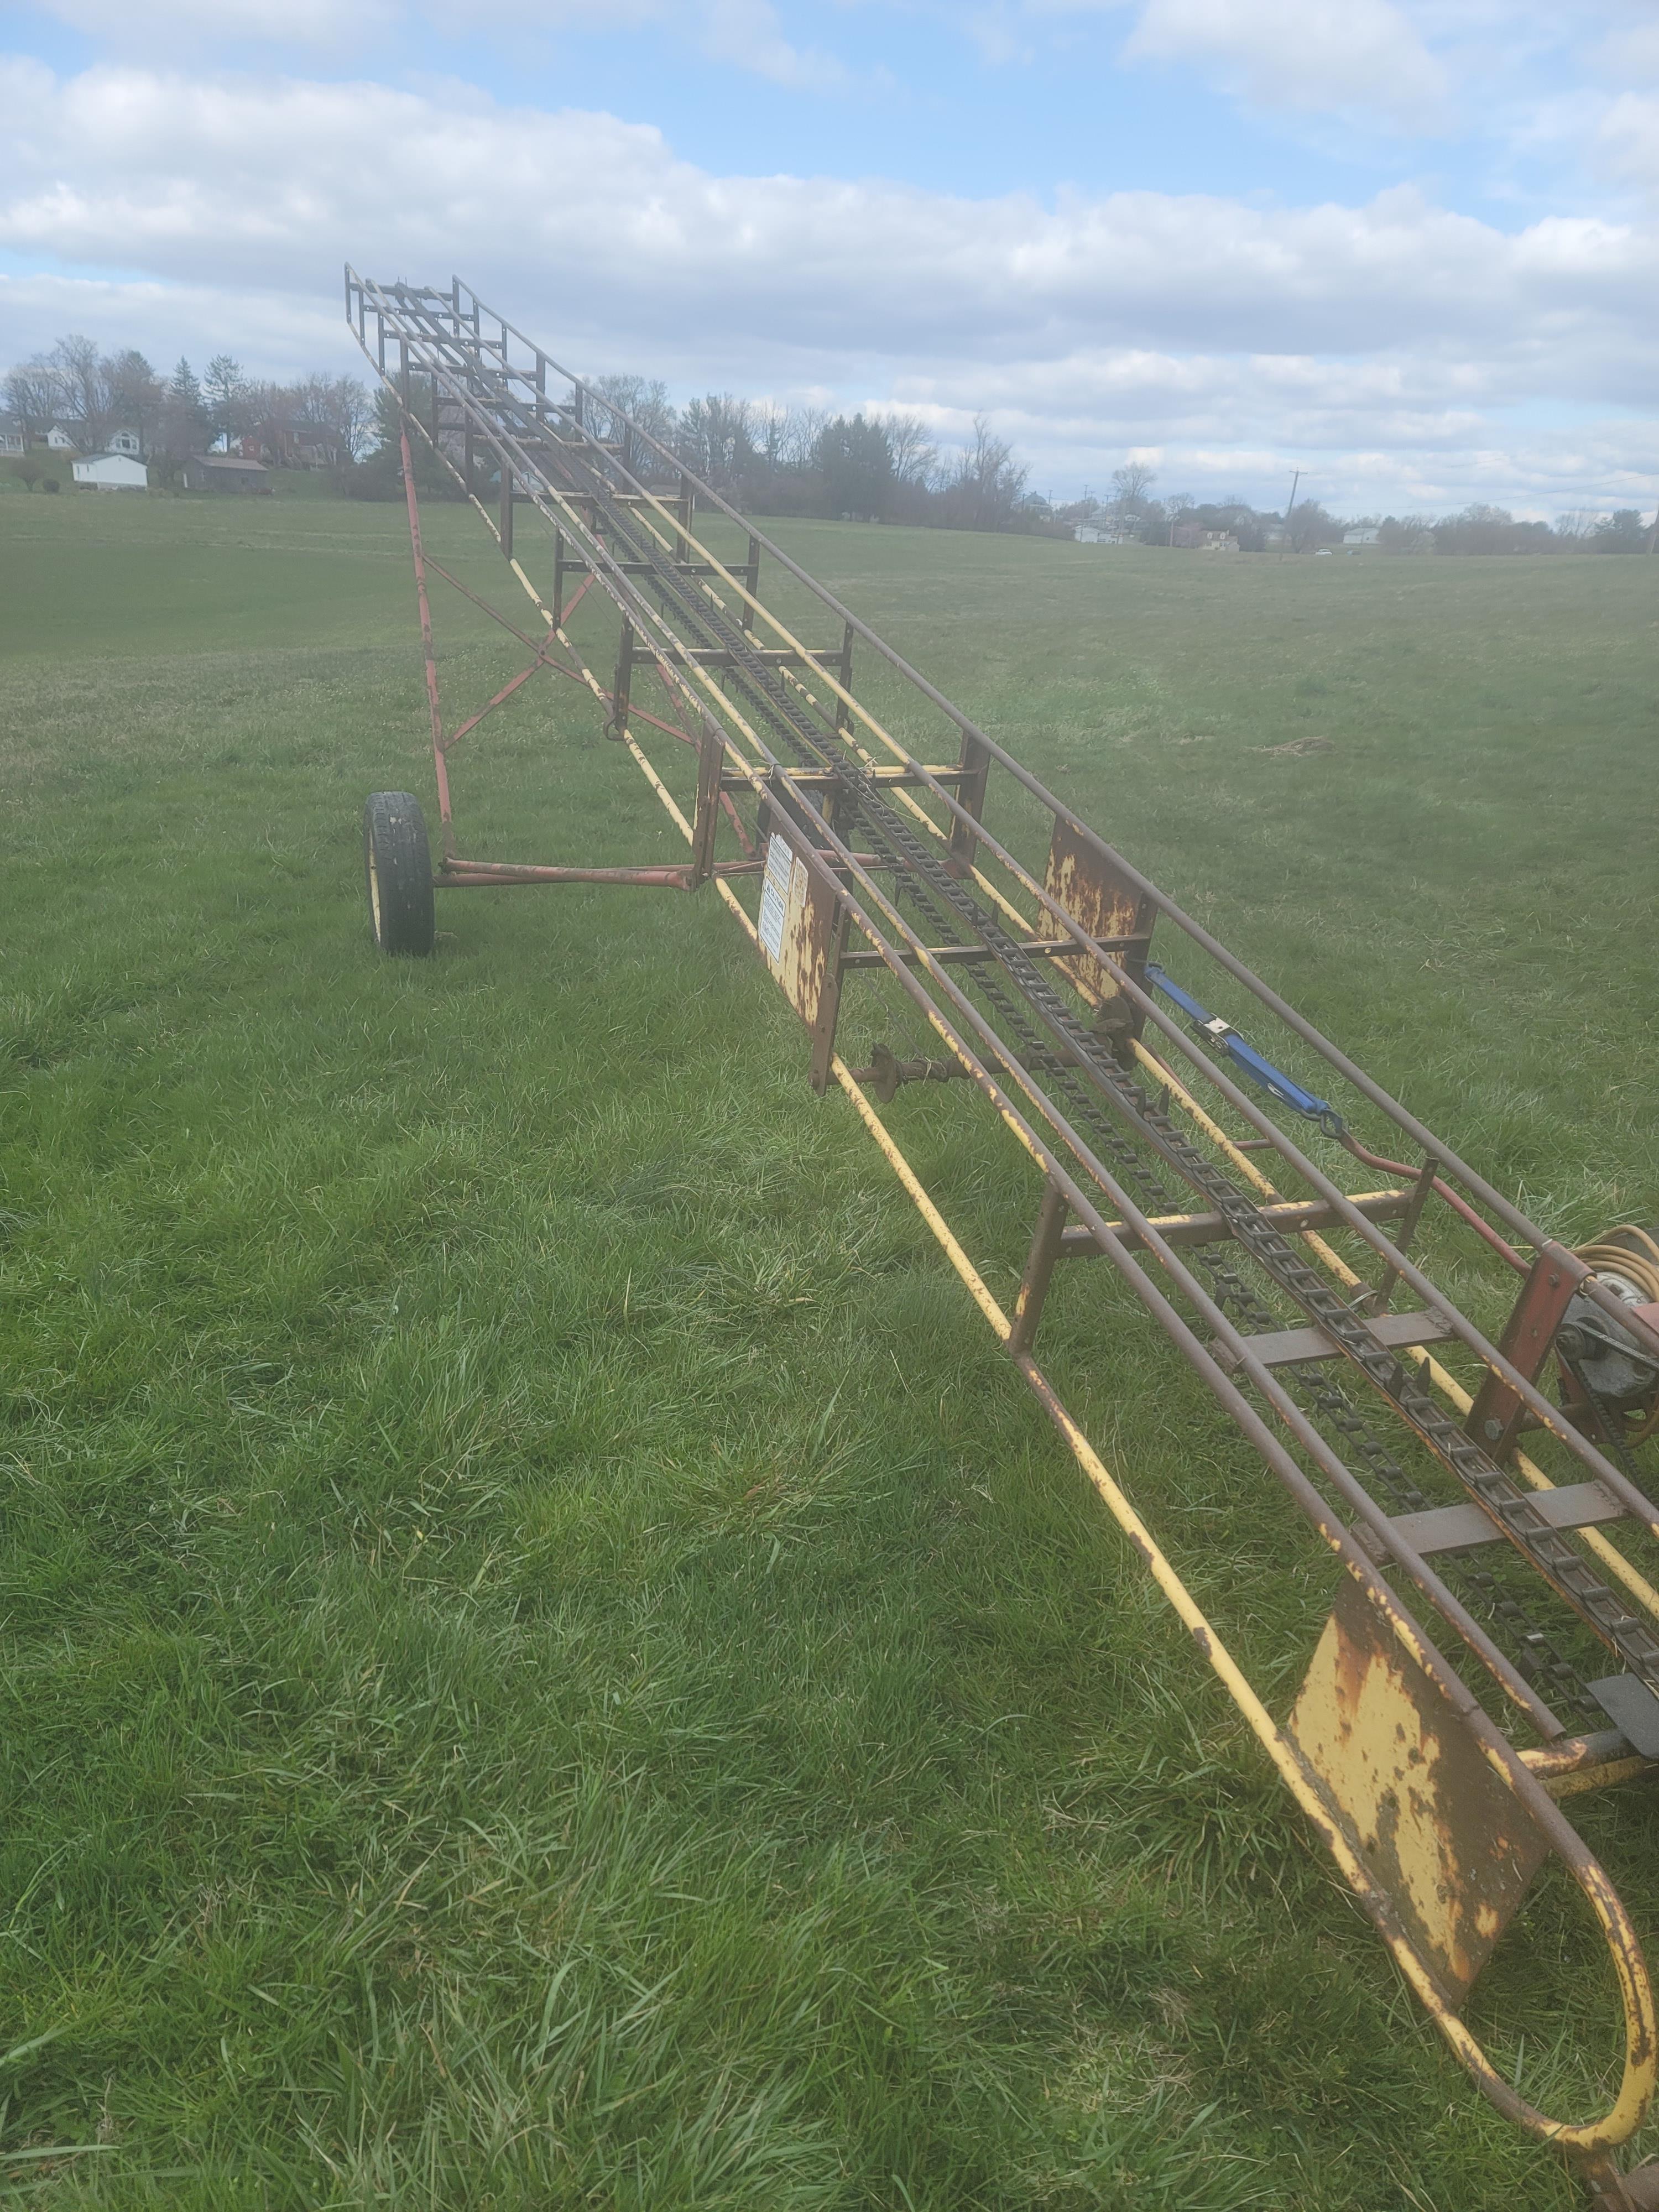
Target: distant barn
x: 225, y: 473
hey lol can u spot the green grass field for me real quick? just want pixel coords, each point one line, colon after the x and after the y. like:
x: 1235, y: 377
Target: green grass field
x: 548, y: 1661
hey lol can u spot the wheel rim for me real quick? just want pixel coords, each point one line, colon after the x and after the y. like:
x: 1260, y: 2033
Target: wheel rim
x: 375, y: 891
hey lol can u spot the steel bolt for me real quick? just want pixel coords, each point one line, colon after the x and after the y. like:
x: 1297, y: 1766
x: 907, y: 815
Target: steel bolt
x: 1494, y: 1429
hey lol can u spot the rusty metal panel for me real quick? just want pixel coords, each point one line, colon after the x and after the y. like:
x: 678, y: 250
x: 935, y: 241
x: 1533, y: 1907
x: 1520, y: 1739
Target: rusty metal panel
x: 1435, y: 1826
x: 802, y: 928
x: 1106, y: 904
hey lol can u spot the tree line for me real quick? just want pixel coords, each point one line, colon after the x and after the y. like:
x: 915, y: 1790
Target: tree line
x: 92, y: 395
x: 768, y: 459
x: 772, y: 459
x: 1132, y: 514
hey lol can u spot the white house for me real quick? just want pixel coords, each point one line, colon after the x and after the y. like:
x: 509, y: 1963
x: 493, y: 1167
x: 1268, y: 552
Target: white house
x: 1367, y: 534
x: 125, y: 441
x: 12, y: 438
x: 59, y: 440
x: 111, y: 472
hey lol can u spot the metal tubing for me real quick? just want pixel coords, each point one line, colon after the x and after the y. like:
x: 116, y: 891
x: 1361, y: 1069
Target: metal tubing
x: 436, y: 712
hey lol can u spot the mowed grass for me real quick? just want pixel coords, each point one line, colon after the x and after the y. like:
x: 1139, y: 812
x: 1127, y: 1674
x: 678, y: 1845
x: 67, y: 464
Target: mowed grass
x: 548, y: 1662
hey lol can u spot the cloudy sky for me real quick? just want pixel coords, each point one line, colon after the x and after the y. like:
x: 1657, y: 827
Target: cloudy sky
x: 1408, y: 246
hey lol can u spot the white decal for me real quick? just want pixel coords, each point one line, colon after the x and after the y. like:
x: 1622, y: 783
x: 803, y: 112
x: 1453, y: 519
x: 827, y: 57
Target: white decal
x: 775, y: 894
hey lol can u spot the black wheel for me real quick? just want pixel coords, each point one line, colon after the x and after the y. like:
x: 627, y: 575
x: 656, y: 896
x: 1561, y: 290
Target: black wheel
x: 397, y: 873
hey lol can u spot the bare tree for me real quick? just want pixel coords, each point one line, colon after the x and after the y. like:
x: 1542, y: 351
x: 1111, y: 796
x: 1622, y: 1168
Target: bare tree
x: 1130, y: 485
x: 984, y: 485
x: 340, y: 405
x: 716, y: 438
x: 916, y: 456
x: 33, y: 397
x: 803, y: 427
x: 83, y: 388
x: 644, y: 401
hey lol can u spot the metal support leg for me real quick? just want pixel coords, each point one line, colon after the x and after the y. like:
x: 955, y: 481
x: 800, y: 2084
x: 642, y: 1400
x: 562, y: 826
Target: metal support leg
x: 843, y: 712
x: 616, y: 727
x: 1383, y: 1293
x: 751, y: 574
x: 1039, y: 1267
x: 974, y: 765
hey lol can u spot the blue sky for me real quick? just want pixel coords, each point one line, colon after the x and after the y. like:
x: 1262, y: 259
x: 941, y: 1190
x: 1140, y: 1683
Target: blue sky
x: 1408, y: 246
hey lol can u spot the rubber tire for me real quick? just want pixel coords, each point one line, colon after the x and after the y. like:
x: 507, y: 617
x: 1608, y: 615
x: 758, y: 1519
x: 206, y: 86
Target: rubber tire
x: 397, y: 873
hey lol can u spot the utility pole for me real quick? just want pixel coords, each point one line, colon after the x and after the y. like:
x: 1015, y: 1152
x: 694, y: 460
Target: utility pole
x: 1295, y: 481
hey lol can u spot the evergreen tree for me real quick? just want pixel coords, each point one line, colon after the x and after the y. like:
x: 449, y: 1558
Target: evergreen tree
x: 185, y: 389
x: 855, y: 460
x: 224, y: 388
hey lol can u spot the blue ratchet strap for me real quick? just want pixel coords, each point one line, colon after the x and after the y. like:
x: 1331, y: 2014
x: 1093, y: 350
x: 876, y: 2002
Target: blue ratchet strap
x: 1245, y: 1057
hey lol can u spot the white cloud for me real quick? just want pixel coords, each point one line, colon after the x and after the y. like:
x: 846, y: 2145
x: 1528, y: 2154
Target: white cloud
x: 1342, y: 55
x: 1628, y: 137
x: 1353, y: 57
x: 300, y: 22
x: 746, y: 34
x: 1194, y: 322
x: 1632, y: 53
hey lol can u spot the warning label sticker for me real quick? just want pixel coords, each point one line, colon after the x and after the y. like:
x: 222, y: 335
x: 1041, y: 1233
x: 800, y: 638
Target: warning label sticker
x: 775, y: 894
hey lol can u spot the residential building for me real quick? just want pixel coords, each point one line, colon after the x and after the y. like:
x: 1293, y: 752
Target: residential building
x: 1193, y: 538
x: 1366, y: 534
x: 125, y: 441
x: 60, y: 440
x: 13, y: 437
x: 111, y: 472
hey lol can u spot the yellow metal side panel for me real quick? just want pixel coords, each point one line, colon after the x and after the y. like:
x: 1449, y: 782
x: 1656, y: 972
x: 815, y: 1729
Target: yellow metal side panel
x: 1433, y: 1823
